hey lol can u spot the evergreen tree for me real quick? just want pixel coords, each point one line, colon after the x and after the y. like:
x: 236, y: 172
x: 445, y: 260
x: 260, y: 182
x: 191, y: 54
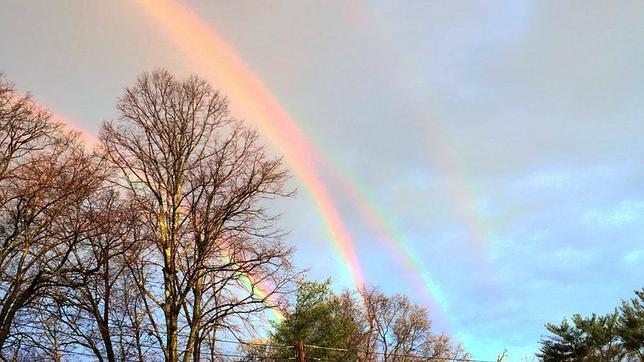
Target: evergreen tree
x: 588, y: 339
x: 617, y: 336
x: 631, y: 330
x: 320, y: 318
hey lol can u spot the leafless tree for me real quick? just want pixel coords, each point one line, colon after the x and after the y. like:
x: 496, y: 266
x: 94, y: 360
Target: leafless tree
x: 65, y: 236
x: 200, y: 181
x: 160, y: 241
x: 44, y: 184
x: 397, y: 329
x: 95, y: 311
x: 25, y: 129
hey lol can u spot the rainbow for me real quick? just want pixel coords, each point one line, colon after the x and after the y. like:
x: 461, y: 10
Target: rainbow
x: 87, y: 137
x: 218, y: 63
x: 395, y: 240
x: 260, y: 290
x: 462, y: 195
x: 460, y: 192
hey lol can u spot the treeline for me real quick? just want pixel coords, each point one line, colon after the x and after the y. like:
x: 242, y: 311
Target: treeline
x: 617, y: 336
x: 156, y: 242
x: 366, y: 325
x: 145, y: 248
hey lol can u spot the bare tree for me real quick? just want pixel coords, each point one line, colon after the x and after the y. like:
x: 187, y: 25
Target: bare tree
x: 200, y: 180
x: 94, y: 311
x: 41, y: 228
x: 396, y: 329
x: 160, y: 241
x: 25, y: 129
x: 45, y: 175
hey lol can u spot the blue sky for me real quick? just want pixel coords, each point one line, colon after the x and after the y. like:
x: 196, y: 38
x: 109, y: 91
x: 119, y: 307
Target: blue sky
x: 518, y: 124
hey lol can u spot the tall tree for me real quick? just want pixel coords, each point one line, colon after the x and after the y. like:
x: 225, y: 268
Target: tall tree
x: 201, y: 180
x: 45, y: 177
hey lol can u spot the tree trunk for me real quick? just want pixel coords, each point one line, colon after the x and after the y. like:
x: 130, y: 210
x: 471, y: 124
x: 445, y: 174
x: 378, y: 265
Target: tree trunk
x: 107, y: 341
x: 103, y: 321
x: 192, y: 345
x: 301, y: 354
x: 171, y: 337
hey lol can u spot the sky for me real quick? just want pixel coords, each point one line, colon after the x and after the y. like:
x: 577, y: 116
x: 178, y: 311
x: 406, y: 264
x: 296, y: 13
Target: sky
x: 483, y: 158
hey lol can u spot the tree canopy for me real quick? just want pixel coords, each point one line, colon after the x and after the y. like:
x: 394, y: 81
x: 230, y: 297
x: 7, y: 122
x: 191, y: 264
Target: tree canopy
x: 611, y: 337
x: 363, y: 325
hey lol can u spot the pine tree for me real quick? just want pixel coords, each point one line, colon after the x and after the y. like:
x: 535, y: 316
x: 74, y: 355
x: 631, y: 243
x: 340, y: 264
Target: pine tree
x: 631, y: 329
x: 589, y: 339
x: 320, y: 318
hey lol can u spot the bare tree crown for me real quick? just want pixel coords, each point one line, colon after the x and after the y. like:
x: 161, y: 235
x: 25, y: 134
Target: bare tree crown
x: 201, y: 179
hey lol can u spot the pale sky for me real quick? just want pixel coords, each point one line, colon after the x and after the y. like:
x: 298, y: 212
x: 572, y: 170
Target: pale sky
x: 499, y: 143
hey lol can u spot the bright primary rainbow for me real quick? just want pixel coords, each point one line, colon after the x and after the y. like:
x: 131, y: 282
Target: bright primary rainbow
x: 217, y: 61
x: 220, y: 64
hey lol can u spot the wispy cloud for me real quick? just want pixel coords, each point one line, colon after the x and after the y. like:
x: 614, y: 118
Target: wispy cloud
x: 624, y: 213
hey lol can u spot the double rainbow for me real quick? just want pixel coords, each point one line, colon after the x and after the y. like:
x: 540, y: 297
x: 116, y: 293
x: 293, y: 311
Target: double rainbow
x: 219, y: 63
x: 215, y: 60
